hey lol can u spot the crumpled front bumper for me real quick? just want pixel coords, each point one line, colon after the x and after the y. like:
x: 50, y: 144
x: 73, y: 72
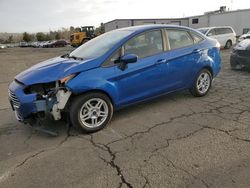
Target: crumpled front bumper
x: 23, y: 104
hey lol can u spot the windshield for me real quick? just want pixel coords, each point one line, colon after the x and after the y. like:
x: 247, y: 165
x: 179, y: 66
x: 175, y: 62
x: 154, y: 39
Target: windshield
x: 203, y: 31
x: 99, y: 45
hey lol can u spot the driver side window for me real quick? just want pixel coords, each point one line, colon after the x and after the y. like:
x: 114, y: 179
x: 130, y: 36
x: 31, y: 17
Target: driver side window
x: 144, y: 45
x: 211, y: 32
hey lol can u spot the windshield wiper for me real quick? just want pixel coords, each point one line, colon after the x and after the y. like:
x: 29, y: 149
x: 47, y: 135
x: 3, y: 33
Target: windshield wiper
x: 71, y: 57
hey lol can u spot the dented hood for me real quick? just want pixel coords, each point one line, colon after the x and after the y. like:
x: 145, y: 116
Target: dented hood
x: 54, y: 69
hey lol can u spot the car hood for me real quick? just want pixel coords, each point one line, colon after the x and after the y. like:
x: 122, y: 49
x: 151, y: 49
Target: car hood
x: 54, y: 69
x: 245, y: 35
x: 243, y: 45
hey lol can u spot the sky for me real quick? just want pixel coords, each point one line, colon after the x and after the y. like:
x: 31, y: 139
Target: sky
x: 45, y: 15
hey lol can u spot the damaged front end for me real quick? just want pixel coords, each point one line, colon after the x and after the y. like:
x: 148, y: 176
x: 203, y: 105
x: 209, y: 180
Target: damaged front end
x: 35, y: 102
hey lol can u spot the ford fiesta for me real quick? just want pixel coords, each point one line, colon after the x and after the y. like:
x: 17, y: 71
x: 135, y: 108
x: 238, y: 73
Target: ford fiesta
x: 116, y: 69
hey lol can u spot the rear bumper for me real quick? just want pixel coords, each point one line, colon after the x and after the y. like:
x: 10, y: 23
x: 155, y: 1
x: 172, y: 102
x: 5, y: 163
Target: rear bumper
x: 237, y: 61
x: 21, y: 103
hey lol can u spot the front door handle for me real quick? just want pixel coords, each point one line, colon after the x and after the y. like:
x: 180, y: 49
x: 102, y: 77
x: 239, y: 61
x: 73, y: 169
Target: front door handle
x: 197, y: 51
x: 160, y: 61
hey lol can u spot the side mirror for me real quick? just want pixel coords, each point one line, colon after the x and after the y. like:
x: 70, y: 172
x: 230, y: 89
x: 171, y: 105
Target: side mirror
x: 124, y: 60
x: 129, y: 58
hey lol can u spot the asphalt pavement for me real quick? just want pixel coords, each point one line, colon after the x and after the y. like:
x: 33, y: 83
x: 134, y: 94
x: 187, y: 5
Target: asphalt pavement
x: 173, y: 141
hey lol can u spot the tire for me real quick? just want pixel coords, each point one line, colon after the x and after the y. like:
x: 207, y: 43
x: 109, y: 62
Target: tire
x: 85, y: 115
x: 228, y: 44
x: 202, y: 85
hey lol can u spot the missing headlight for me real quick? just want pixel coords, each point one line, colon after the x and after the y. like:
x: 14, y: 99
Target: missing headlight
x: 40, y: 89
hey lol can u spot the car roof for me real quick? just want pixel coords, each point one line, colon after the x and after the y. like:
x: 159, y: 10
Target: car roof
x: 216, y: 27
x: 142, y: 28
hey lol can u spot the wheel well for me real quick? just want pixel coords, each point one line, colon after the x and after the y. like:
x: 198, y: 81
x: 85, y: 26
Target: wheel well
x: 229, y: 40
x: 209, y: 69
x: 93, y: 91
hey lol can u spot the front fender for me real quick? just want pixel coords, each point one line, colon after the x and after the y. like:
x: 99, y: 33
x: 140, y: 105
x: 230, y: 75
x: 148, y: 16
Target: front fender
x: 88, y: 81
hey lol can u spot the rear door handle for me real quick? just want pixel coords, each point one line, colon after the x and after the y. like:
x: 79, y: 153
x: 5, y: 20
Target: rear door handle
x: 160, y: 61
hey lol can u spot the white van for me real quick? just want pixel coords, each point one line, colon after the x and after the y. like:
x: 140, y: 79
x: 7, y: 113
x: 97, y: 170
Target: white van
x: 225, y: 35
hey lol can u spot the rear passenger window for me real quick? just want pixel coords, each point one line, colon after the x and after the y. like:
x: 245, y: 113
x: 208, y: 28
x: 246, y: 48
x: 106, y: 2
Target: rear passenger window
x: 197, y: 38
x: 179, y: 39
x: 220, y: 31
x: 146, y: 44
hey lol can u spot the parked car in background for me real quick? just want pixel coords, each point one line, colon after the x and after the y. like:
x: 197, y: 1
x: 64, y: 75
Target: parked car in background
x: 41, y: 44
x: 225, y: 35
x: 57, y: 43
x: 23, y: 44
x: 35, y: 44
x: 245, y: 36
x: 240, y: 56
x: 2, y: 46
x: 114, y: 70
x: 48, y: 43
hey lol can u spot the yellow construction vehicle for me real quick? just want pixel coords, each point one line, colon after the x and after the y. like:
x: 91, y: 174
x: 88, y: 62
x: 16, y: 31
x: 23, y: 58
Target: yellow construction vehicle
x: 83, y: 35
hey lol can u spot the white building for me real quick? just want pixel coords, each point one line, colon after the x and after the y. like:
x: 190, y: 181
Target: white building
x: 238, y: 19
x: 120, y: 23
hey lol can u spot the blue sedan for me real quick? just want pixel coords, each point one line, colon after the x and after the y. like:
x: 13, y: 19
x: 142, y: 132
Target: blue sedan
x: 114, y: 70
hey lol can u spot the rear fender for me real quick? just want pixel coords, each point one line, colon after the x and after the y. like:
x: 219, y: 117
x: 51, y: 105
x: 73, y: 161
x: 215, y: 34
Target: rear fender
x: 210, y: 59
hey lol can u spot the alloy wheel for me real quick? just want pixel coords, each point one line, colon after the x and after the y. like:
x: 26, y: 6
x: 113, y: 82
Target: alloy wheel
x: 93, y: 113
x: 203, y: 82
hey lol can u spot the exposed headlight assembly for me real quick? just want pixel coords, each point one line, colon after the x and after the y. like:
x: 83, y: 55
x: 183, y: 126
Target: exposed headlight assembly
x: 67, y: 78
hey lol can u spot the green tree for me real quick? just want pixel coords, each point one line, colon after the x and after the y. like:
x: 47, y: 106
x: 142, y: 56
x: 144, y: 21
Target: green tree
x: 72, y: 29
x: 77, y: 29
x: 102, y: 28
x: 40, y: 36
x: 10, y: 39
x: 58, y: 35
x: 48, y: 37
x: 27, y: 37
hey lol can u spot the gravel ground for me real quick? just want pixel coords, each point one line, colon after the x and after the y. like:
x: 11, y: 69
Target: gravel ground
x: 173, y: 141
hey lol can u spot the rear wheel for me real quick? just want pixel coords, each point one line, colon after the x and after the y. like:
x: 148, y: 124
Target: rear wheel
x: 228, y: 44
x: 91, y: 112
x: 202, y: 83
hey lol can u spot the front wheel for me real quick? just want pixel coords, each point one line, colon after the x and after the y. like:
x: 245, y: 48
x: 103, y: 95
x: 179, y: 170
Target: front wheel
x: 91, y: 112
x: 202, y: 83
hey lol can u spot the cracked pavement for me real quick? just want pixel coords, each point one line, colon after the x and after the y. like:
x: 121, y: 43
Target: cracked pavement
x: 173, y: 141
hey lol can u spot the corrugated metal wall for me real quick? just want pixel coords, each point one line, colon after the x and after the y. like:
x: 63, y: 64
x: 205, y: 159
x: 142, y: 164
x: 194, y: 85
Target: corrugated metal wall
x: 239, y: 20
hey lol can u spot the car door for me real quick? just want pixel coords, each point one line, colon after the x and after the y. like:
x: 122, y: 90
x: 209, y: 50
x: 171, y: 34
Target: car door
x: 182, y: 58
x: 212, y: 34
x: 221, y: 36
x: 146, y: 77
